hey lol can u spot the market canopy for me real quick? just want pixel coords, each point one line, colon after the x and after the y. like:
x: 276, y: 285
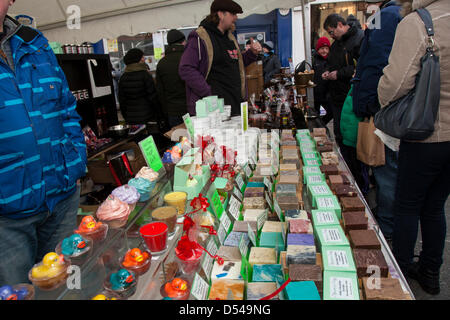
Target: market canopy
x: 112, y: 18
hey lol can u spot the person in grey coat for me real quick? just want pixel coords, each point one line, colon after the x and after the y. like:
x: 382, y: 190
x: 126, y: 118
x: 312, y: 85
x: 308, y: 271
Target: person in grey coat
x: 271, y: 62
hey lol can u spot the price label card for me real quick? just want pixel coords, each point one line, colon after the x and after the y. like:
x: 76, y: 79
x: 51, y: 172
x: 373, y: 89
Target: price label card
x: 277, y: 209
x: 221, y: 234
x: 189, y: 126
x: 207, y: 265
x: 225, y: 222
x: 251, y: 235
x: 151, y: 154
x: 243, y: 246
x: 237, y: 193
x: 234, y: 207
x: 216, y: 204
x: 261, y: 219
x: 200, y: 288
x: 268, y: 183
x: 211, y: 246
x: 269, y: 201
x: 239, y: 182
x: 247, y: 170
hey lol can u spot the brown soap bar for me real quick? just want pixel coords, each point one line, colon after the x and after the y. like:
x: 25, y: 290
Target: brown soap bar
x: 352, y: 204
x: 327, y: 147
x: 293, y: 161
x: 288, y: 166
x: 330, y: 169
x: 290, y: 148
x: 355, y: 220
x: 289, y: 179
x: 254, y: 192
x: 344, y: 190
x: 307, y: 272
x: 230, y: 253
x: 288, y: 202
x: 364, y: 239
x: 369, y: 257
x: 389, y: 289
x: 336, y: 179
x: 319, y: 132
x: 242, y: 226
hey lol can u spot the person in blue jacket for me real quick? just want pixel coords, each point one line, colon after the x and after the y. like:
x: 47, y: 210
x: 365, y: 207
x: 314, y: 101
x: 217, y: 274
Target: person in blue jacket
x: 42, y: 150
x: 374, y: 55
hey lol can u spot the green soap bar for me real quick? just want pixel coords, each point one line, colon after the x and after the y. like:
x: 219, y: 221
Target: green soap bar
x: 340, y: 286
x: 331, y: 236
x: 201, y: 109
x: 324, y: 218
x: 312, y: 162
x: 316, y: 190
x: 310, y: 156
x: 302, y: 290
x: 211, y: 102
x: 338, y: 258
x: 220, y: 104
x: 314, y: 177
x: 329, y: 203
x: 272, y: 240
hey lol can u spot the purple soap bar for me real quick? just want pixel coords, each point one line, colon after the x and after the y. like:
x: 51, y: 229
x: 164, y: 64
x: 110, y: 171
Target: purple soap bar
x: 301, y: 239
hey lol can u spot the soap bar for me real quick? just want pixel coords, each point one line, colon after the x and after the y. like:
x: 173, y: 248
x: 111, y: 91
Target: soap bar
x: 274, y: 226
x: 352, y: 204
x: 330, y: 169
x: 260, y: 255
x: 344, y: 191
x: 324, y: 218
x: 340, y: 286
x: 286, y: 189
x: 233, y: 239
x: 258, y: 290
x: 254, y: 184
x: 224, y: 289
x: 289, y: 179
x: 300, y: 226
x: 289, y: 143
x: 283, y: 261
x: 253, y: 192
x: 364, y: 239
x: 228, y: 270
x: 288, y: 202
x: 335, y: 179
x: 301, y: 239
x: 292, y: 161
x: 252, y: 214
x: 267, y: 273
x: 289, y: 173
x: 272, y: 240
x: 307, y: 272
x: 295, y: 214
x: 254, y: 203
x: 242, y: 226
x: 319, y: 132
x: 329, y: 203
x: 300, y: 254
x: 228, y: 253
x: 389, y: 289
x: 304, y: 290
x: 288, y: 166
x: 329, y: 158
x: 365, y: 258
x: 327, y: 147
x: 338, y: 258
x: 354, y: 220
x: 331, y: 236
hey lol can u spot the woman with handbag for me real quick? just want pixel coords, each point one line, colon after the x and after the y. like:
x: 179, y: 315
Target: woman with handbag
x: 423, y: 184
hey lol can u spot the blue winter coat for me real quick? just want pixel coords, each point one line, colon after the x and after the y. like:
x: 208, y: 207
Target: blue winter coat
x: 374, y: 55
x: 42, y: 147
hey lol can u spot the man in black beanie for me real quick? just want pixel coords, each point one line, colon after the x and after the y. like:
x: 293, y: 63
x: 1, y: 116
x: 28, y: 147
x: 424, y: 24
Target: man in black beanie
x: 137, y: 93
x: 171, y: 89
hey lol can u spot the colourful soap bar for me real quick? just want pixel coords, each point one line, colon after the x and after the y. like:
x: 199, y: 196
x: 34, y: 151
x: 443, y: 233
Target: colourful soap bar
x: 340, y: 286
x: 301, y: 239
x: 389, y: 289
x: 228, y: 270
x: 228, y: 253
x: 267, y: 273
x: 242, y: 226
x: 286, y: 189
x: 233, y: 239
x: 258, y: 290
x: 302, y: 290
x: 295, y: 214
x: 254, y: 203
x: 224, y: 289
x: 252, y: 183
x: 253, y: 192
x: 307, y: 272
x: 288, y: 202
x: 272, y: 240
x: 300, y: 226
x: 260, y: 255
x: 300, y: 254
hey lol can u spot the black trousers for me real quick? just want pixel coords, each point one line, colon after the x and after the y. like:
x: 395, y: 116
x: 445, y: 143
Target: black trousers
x: 423, y: 186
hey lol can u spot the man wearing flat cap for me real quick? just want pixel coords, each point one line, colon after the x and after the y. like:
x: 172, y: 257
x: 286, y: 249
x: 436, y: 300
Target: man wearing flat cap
x: 171, y: 89
x: 212, y: 63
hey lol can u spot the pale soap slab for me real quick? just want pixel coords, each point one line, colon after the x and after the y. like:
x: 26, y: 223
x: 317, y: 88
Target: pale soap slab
x: 252, y: 214
x: 260, y: 255
x: 274, y: 226
x: 258, y: 290
x: 228, y: 270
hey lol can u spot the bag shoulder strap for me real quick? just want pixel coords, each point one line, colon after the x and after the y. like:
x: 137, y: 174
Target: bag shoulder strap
x: 427, y: 20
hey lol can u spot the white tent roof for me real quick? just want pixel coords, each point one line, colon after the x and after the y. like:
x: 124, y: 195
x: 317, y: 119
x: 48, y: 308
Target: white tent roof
x: 112, y: 18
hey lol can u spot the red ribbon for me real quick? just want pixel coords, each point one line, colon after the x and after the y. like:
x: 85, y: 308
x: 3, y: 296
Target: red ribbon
x: 270, y: 296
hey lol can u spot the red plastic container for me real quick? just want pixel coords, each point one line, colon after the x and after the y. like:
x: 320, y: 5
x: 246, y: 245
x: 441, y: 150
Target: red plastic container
x: 155, y: 236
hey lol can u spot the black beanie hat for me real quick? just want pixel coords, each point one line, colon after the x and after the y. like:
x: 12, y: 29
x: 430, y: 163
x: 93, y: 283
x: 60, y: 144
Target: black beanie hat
x: 133, y: 56
x: 226, y: 5
x: 175, y: 36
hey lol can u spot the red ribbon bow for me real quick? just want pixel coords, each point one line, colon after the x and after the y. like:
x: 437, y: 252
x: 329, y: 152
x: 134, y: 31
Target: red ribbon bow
x: 199, y: 203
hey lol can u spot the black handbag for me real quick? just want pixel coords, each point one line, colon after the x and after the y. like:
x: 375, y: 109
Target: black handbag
x: 412, y: 117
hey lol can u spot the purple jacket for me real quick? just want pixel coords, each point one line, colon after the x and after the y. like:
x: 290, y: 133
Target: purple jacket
x: 196, y: 63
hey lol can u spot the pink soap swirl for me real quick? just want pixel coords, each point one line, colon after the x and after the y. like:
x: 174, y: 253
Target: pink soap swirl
x: 147, y: 173
x: 113, y: 209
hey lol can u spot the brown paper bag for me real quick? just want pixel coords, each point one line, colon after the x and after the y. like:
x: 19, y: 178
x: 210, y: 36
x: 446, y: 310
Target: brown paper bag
x: 369, y: 147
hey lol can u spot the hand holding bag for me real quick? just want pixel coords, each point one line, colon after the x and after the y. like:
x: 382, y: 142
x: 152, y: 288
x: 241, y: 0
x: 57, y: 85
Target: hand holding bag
x: 369, y: 147
x: 412, y: 117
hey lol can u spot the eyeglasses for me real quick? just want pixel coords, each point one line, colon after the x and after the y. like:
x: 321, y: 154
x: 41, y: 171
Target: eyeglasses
x: 330, y: 32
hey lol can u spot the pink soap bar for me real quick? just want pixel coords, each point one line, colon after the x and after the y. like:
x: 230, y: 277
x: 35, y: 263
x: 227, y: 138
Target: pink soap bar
x: 300, y: 226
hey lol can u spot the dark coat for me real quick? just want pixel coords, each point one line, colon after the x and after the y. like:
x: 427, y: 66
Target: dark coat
x: 343, y: 55
x: 374, y: 56
x: 171, y: 89
x: 319, y: 65
x: 271, y: 66
x: 137, y: 95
